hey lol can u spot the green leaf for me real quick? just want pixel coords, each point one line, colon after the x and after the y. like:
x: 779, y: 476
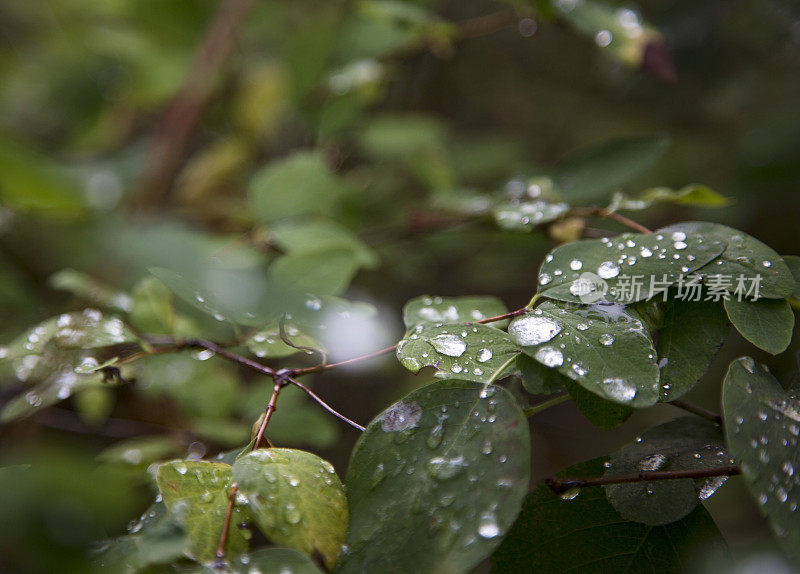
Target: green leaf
x: 527, y: 215
x: 690, y: 338
x: 767, y: 323
x: 309, y: 237
x: 793, y: 263
x: 140, y: 451
x: 762, y: 426
x: 151, y: 311
x: 295, y: 498
x: 601, y: 413
x: 538, y: 379
x: 401, y: 137
x: 694, y: 194
x: 744, y: 256
x: 428, y: 310
x: 196, y: 493
x: 585, y: 534
x: 88, y: 288
x: 156, y: 538
x: 572, y: 272
x: 299, y: 184
x: 268, y: 560
x: 321, y: 273
x: 604, y: 347
x: 682, y: 444
x: 590, y: 173
x: 58, y: 382
x: 436, y: 479
x: 267, y: 342
x: 473, y: 352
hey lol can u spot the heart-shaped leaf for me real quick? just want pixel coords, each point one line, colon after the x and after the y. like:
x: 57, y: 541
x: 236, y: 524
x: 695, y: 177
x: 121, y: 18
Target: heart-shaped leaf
x: 585, y: 534
x: 762, y: 428
x: 295, y: 498
x: 473, y: 352
x: 606, y: 348
x: 196, y: 493
x: 632, y: 266
x: 683, y: 444
x: 436, y: 479
x: 767, y: 323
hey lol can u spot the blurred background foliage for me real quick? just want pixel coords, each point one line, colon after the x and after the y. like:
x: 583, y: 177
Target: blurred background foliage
x: 250, y: 153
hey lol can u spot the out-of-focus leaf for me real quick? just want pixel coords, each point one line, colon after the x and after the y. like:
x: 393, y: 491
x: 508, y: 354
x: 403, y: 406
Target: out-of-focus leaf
x: 88, y: 288
x: 473, y: 352
x: 196, y: 493
x: 321, y: 273
x: 267, y: 560
x: 598, y: 411
x: 299, y: 184
x: 151, y: 310
x: 767, y: 323
x: 309, y: 237
x: 538, y: 379
x: 692, y: 334
x: 94, y: 404
x: 429, y: 310
x: 683, y: 444
x: 793, y: 263
x: 591, y: 173
x: 585, y: 534
x: 295, y: 498
x: 762, y: 423
x: 403, y: 137
x: 694, y: 194
x: 140, y: 451
x: 436, y: 479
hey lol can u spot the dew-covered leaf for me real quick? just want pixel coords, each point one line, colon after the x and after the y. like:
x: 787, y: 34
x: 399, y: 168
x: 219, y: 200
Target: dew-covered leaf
x: 427, y: 310
x: 319, y: 236
x: 744, y: 256
x: 436, y: 480
x: 762, y: 427
x: 527, y: 214
x: 598, y: 411
x: 606, y: 348
x: 90, y: 289
x: 585, y: 534
x: 473, y: 352
x: 767, y: 323
x: 267, y: 342
x: 682, y: 444
x: 694, y: 194
x: 295, y: 498
x: 196, y: 493
x: 590, y: 173
x: 691, y: 336
x: 627, y: 265
x: 266, y: 561
x: 156, y: 538
x: 295, y: 185
x: 538, y: 379
x: 793, y: 263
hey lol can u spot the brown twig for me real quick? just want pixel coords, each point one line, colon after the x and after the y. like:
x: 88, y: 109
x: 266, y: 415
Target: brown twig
x: 231, y: 356
x: 323, y: 404
x: 601, y: 212
x: 271, y: 406
x: 697, y: 410
x: 186, y: 108
x: 223, y: 536
x: 561, y: 485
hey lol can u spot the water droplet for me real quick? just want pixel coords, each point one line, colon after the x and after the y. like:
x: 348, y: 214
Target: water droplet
x: 180, y: 468
x: 680, y: 245
x: 603, y: 38
x: 619, y: 389
x: 575, y: 264
x: 645, y: 252
x: 435, y: 436
x: 748, y: 363
x: 608, y: 270
x: 486, y: 447
x: 606, y: 339
x: 487, y: 527
x: 532, y: 330
x: 652, y: 462
x: 710, y: 486
x: 570, y: 494
x: 401, y: 416
x: 578, y: 369
x: 679, y: 236
x: 549, y: 357
x: 377, y: 475
x: 483, y: 355
x: 444, y: 468
x: 449, y: 345
x: 544, y: 279
x: 291, y: 514
x: 766, y: 263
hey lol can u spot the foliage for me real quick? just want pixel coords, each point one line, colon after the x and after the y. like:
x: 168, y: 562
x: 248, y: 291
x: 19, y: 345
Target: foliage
x: 182, y: 303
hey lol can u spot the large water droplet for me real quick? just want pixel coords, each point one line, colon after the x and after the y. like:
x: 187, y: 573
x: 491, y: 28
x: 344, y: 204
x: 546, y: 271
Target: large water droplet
x: 608, y: 270
x: 549, y: 357
x: 449, y: 345
x: 487, y: 527
x: 443, y: 468
x: 619, y: 389
x: 652, y: 462
x: 291, y: 514
x: 483, y: 355
x: 528, y: 331
x: 401, y: 416
x: 606, y: 339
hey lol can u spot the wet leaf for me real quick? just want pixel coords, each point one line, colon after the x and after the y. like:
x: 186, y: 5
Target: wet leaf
x: 295, y: 498
x: 605, y: 348
x: 268, y: 560
x: 196, y: 493
x: 628, y: 265
x: 90, y: 289
x: 598, y: 411
x: 538, y: 379
x: 590, y: 173
x: 767, y: 323
x: 691, y: 336
x: 682, y: 444
x: 473, y: 352
x: 744, y: 256
x: 151, y: 310
x: 586, y: 534
x: 436, y: 480
x: 295, y: 185
x: 793, y: 263
x: 528, y: 214
x: 267, y: 342
x: 693, y: 194
x: 762, y: 427
x: 427, y: 310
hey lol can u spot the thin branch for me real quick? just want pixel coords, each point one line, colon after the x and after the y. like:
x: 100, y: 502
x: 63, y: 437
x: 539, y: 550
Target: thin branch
x: 181, y: 118
x: 271, y: 406
x: 561, y: 485
x: 509, y: 315
x: 697, y: 410
x: 223, y: 537
x: 601, y: 212
x: 327, y: 366
x: 323, y: 404
x: 231, y: 356
x: 543, y: 406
